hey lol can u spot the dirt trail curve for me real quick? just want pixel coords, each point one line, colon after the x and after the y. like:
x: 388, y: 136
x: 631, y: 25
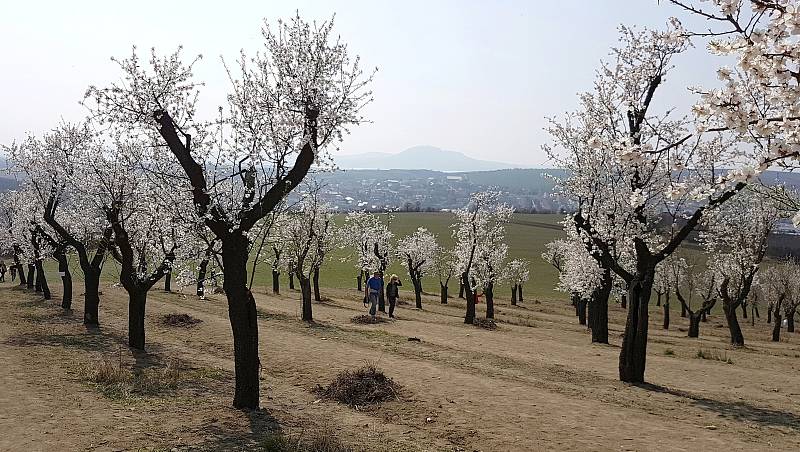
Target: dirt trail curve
x: 534, y: 384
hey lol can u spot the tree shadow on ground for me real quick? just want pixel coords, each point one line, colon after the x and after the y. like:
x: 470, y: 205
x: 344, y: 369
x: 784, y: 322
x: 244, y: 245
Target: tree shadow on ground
x: 93, y: 339
x: 738, y: 411
x: 228, y: 434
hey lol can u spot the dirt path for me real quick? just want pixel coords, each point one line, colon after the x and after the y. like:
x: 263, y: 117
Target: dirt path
x: 534, y: 384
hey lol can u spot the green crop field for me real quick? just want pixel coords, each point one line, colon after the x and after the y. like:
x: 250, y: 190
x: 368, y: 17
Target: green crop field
x: 526, y: 236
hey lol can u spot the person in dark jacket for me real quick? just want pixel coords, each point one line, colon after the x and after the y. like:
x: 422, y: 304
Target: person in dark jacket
x: 372, y: 291
x: 392, y: 293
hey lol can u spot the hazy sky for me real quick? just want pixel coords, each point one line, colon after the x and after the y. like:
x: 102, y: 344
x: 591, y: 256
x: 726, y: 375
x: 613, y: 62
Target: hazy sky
x: 473, y: 76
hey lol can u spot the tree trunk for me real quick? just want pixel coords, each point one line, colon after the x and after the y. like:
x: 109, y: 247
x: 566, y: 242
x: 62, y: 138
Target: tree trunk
x: 658, y: 299
x: 136, y: 309
x: 519, y: 295
x: 755, y: 311
x: 382, y: 297
x: 168, y: 280
x: 633, y: 356
x: 460, y: 289
x: 443, y: 293
x: 694, y: 325
x: 733, y: 324
x: 305, y: 290
x: 291, y: 280
x: 244, y: 321
x: 66, y: 280
x: 32, y: 276
x: 666, y: 312
x: 683, y: 311
x: 769, y: 314
x: 514, y: 295
x: 599, y: 323
x: 790, y: 322
x: 582, y: 311
x: 276, y: 282
x: 623, y: 301
x: 417, y: 291
x: 41, y: 280
x: 317, y: 297
x: 201, y: 278
x: 91, y: 297
x: 776, y: 329
x: 359, y: 280
x: 489, y: 292
x: 469, y: 317
x: 744, y: 311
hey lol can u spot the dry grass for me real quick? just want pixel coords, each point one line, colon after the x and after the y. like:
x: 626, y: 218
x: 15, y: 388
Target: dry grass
x: 179, y: 320
x: 365, y: 319
x: 322, y: 440
x: 364, y: 386
x: 486, y: 324
x: 117, y: 381
x: 711, y: 355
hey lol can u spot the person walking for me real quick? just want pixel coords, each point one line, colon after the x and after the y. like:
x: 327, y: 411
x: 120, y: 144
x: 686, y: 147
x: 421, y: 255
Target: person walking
x: 393, y: 293
x: 3, y: 270
x: 13, y: 272
x: 373, y: 289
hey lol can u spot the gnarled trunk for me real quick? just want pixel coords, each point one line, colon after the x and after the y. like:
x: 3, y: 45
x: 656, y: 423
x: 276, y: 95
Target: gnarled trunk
x: 244, y: 321
x: 41, y: 281
x: 137, y: 299
x: 168, y: 280
x: 519, y: 293
x: 694, y: 325
x: 359, y: 280
x: 66, y: 280
x: 666, y: 312
x: 489, y: 292
x: 91, y: 297
x: 469, y: 317
x: 32, y: 277
x: 581, y: 311
x: 599, y: 319
x: 276, y: 281
x: 790, y: 322
x: 443, y: 292
x: 415, y: 281
x: 633, y: 356
x: 305, y: 290
x: 733, y: 324
x: 315, y: 277
x: 776, y: 329
x: 514, y: 295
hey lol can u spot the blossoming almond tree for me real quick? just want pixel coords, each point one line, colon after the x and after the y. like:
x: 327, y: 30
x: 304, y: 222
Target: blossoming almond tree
x: 54, y: 166
x: 445, y: 268
x: 651, y: 166
x: 370, y: 239
x: 480, y: 225
x: 307, y: 235
x: 516, y: 272
x: 287, y: 106
x: 736, y: 242
x: 419, y: 250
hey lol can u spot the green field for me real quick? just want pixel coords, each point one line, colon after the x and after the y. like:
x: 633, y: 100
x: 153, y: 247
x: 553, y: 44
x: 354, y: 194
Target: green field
x: 526, y: 237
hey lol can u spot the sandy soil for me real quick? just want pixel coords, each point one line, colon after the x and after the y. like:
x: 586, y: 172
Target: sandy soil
x: 536, y: 383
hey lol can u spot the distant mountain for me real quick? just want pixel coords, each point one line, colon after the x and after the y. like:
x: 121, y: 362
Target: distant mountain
x: 419, y: 157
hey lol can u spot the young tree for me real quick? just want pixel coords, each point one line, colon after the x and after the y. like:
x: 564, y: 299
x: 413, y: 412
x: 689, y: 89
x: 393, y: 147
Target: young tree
x: 55, y: 166
x: 419, y: 250
x: 307, y: 233
x: 736, y: 241
x: 445, y: 268
x: 285, y: 109
x: 371, y: 241
x: 517, y: 274
x: 650, y: 167
x: 479, y: 226
x: 780, y: 285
